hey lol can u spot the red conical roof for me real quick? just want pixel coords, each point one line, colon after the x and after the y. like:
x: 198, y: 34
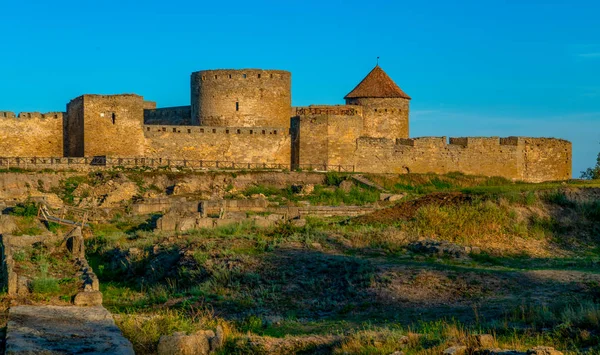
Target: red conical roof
x: 377, y: 84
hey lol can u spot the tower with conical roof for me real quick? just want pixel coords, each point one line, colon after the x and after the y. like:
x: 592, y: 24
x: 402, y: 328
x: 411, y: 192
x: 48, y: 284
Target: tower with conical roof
x: 385, y: 105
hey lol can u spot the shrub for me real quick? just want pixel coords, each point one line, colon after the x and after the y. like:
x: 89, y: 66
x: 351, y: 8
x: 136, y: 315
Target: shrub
x: 28, y: 209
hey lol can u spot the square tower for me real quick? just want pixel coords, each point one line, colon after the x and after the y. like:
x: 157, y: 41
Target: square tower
x: 110, y: 125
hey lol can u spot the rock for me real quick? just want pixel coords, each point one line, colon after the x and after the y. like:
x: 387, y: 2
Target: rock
x: 181, y: 344
x: 475, y: 250
x: 88, y: 299
x: 299, y: 222
x: 216, y: 342
x: 484, y: 341
x: 346, y: 185
x: 398, y: 352
x: 543, y: 350
x: 455, y: 350
x: 437, y: 248
x: 396, y: 197
x: 7, y: 224
x: 307, y: 189
x: 22, y: 286
x: 64, y: 330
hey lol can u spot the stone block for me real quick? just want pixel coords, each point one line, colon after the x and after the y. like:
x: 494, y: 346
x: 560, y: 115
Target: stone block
x: 181, y: 344
x: 88, y: 298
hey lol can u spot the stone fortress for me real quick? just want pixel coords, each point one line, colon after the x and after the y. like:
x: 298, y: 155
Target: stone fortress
x: 246, y: 116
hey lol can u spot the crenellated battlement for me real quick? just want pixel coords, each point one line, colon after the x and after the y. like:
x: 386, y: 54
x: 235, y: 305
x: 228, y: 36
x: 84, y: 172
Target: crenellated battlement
x: 153, y: 130
x: 339, y: 110
x: 31, y: 115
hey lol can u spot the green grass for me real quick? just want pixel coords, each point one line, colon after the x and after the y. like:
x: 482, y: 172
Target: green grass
x: 44, y: 285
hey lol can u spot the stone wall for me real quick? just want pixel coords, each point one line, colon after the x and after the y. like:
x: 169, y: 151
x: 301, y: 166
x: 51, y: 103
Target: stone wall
x: 384, y: 117
x: 31, y: 134
x: 112, y: 125
x: 241, y: 98
x: 178, y: 115
x: 235, y: 144
x: 327, y: 134
x: 517, y: 158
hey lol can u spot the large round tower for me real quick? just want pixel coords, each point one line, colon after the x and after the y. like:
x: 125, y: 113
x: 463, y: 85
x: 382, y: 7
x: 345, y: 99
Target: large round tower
x: 241, y: 98
x: 385, y: 105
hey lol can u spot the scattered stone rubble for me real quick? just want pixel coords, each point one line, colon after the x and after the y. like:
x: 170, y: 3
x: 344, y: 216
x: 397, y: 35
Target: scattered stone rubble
x: 439, y: 248
x: 484, y: 344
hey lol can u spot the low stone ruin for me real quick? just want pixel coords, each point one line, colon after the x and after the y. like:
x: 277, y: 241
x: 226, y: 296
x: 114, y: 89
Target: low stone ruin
x: 18, y: 285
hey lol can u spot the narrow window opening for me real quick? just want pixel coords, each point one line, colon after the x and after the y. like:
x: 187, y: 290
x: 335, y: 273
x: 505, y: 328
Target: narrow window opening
x: 244, y: 76
x: 275, y: 132
x: 271, y: 76
x: 259, y: 76
x: 375, y: 110
x: 229, y: 76
x: 189, y: 130
x: 216, y: 77
x: 239, y: 131
x: 164, y: 129
x: 237, y: 106
x: 263, y: 131
x: 251, y: 131
x: 174, y: 130
x: 201, y: 130
x: 214, y: 130
x: 114, y: 118
x: 227, y: 131
x: 203, y: 77
x: 55, y: 116
x: 148, y: 129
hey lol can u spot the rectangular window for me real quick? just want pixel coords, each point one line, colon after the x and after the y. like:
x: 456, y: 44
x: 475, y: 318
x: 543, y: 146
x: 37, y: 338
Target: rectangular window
x: 259, y: 76
x: 239, y: 131
x: 214, y: 130
x: 201, y: 130
x: 189, y: 130
x: 244, y: 76
x: 174, y: 130
x: 264, y: 132
x: 237, y: 106
x: 227, y: 131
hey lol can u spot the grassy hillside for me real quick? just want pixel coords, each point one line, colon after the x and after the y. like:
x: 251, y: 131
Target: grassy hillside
x: 457, y: 256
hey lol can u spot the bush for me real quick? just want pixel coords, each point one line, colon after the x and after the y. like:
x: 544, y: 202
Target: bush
x: 592, y: 173
x: 333, y: 179
x: 28, y: 209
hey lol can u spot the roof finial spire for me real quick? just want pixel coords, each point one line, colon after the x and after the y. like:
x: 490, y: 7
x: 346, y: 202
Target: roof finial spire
x: 377, y: 62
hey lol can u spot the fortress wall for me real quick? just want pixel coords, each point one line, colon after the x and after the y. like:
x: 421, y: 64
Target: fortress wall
x: 241, y: 98
x: 178, y: 115
x: 327, y: 134
x: 477, y: 156
x: 517, y: 158
x: 546, y: 159
x: 234, y: 144
x: 32, y: 134
x: 384, y: 117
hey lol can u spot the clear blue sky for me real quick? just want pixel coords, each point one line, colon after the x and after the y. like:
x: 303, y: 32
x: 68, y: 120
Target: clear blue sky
x: 477, y: 68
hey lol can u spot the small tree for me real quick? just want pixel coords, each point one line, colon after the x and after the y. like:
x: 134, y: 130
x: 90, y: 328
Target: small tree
x: 592, y: 173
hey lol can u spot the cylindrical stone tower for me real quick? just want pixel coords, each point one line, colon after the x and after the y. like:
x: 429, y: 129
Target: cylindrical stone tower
x: 241, y: 98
